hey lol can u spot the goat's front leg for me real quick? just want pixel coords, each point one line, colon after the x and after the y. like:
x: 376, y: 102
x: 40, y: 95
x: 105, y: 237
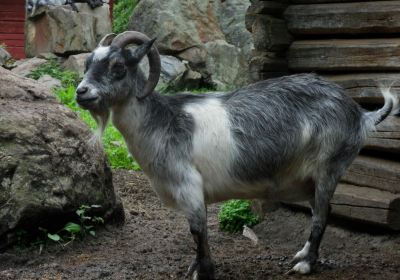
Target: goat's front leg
x: 203, y: 264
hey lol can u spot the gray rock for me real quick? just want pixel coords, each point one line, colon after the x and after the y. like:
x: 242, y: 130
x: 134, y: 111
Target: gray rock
x: 76, y: 63
x: 231, y: 16
x: 177, y: 24
x: 25, y: 66
x: 49, y: 82
x: 226, y: 64
x: 47, y: 166
x: 60, y: 30
x: 172, y: 72
x: 4, y: 56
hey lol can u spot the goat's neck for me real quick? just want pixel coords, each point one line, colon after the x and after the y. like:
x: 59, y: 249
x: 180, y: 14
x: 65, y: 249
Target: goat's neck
x: 131, y: 119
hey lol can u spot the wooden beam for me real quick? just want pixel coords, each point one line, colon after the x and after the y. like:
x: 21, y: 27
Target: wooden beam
x: 366, y: 205
x: 344, y: 18
x: 373, y: 172
x: 329, y: 1
x: 386, y: 138
x: 270, y: 34
x: 345, y: 55
x: 364, y: 87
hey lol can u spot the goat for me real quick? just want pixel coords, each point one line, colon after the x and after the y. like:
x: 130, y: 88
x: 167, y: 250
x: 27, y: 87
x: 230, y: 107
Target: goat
x: 289, y: 138
x: 33, y: 5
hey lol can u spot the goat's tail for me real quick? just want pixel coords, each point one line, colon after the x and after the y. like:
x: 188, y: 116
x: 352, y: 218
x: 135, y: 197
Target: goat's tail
x: 391, y: 107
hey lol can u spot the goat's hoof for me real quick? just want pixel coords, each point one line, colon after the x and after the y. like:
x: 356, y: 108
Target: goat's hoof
x: 302, y: 267
x: 201, y: 270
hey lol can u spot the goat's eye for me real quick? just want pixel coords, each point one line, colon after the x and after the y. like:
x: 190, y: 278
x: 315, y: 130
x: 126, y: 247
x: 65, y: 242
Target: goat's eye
x: 118, y: 70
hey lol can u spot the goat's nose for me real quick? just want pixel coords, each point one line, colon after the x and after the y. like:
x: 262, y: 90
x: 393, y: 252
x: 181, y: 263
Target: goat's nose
x: 81, y: 90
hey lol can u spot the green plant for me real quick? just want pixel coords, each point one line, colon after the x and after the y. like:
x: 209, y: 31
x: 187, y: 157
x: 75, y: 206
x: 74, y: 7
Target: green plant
x: 122, y: 12
x: 234, y: 214
x: 71, y: 231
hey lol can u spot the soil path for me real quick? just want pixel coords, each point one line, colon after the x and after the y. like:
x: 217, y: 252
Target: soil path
x: 155, y: 244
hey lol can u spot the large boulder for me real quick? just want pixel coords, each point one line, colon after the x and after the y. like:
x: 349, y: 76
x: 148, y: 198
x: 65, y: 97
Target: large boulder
x: 184, y: 27
x: 173, y: 73
x: 48, y: 166
x: 60, y: 30
x: 178, y: 25
x: 227, y: 67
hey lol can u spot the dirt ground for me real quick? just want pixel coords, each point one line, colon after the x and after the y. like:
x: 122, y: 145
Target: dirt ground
x: 155, y: 243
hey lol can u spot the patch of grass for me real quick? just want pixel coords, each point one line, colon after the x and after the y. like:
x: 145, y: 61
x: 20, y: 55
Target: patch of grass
x: 54, y: 69
x: 122, y: 11
x: 234, y: 214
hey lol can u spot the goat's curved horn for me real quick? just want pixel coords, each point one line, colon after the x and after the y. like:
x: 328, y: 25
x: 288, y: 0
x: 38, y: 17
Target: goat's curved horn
x: 134, y: 37
x: 107, y: 39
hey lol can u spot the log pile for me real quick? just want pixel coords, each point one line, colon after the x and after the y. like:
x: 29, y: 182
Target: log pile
x: 271, y: 39
x: 357, y: 45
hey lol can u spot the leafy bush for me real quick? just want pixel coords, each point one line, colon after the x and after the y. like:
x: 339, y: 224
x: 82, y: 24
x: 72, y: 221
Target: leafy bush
x: 122, y: 12
x: 72, y: 231
x: 234, y: 214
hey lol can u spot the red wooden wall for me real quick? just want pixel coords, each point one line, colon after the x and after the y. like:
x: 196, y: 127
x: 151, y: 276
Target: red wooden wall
x: 12, y: 18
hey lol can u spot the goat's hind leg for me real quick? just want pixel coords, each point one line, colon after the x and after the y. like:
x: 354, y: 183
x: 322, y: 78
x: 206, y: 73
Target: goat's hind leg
x: 306, y: 258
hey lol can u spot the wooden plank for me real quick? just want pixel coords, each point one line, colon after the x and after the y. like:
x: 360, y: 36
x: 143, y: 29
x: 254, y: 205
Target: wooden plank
x: 366, y: 205
x: 12, y: 7
x: 13, y: 43
x: 17, y: 15
x: 364, y: 87
x: 267, y: 64
x: 375, y: 173
x: 329, y: 1
x: 19, y: 36
x: 17, y: 52
x: 345, y: 55
x: 9, y: 27
x: 267, y: 7
x: 12, y: 2
x: 344, y: 18
x: 270, y: 34
x: 386, y: 138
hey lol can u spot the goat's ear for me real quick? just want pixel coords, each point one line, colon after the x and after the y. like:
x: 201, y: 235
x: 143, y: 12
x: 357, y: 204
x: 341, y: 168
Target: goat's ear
x: 106, y: 41
x: 141, y: 51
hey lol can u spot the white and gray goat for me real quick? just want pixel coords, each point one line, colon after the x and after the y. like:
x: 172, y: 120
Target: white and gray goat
x: 286, y: 139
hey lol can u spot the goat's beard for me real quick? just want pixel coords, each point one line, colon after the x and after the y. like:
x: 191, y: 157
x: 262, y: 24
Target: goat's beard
x: 101, y: 117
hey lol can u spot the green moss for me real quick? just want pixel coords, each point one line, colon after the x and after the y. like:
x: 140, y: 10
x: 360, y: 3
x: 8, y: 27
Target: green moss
x: 122, y: 11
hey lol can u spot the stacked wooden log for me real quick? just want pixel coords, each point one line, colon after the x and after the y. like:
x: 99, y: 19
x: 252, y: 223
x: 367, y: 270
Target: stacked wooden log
x: 356, y: 45
x: 271, y: 39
